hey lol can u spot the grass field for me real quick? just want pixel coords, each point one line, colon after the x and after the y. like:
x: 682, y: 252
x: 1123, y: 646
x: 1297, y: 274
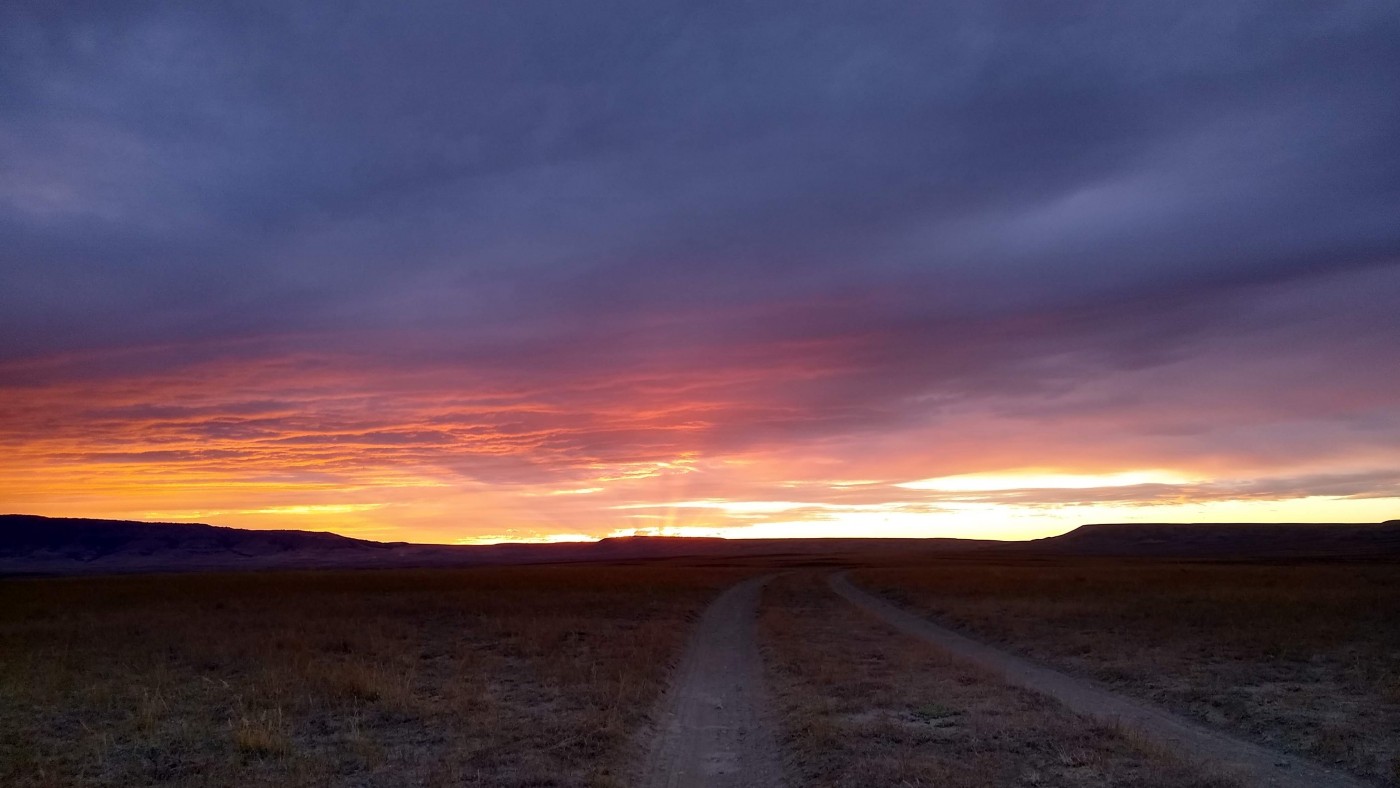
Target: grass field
x: 863, y: 705
x: 500, y: 677
x: 1303, y: 657
x: 547, y: 676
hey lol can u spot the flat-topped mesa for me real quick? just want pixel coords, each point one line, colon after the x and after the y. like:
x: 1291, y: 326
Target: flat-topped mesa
x: 1226, y: 539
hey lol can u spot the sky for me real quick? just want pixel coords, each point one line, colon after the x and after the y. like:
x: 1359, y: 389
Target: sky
x: 481, y: 271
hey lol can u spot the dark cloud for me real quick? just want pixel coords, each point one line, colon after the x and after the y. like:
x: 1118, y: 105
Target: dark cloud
x: 233, y: 169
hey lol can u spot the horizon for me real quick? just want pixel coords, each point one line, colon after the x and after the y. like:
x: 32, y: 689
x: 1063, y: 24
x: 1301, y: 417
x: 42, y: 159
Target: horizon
x: 447, y: 274
x: 568, y: 540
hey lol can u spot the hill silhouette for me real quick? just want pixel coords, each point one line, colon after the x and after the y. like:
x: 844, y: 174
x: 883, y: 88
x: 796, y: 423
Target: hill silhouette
x: 32, y: 544
x: 1224, y: 540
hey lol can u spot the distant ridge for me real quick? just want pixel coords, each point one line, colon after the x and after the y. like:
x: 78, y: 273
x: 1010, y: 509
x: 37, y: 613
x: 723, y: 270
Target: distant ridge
x: 1223, y: 540
x: 31, y: 544
x: 35, y: 545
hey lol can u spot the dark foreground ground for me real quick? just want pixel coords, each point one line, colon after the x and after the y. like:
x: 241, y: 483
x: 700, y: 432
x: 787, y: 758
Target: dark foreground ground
x: 552, y: 675
x: 511, y: 677
x: 1299, y: 656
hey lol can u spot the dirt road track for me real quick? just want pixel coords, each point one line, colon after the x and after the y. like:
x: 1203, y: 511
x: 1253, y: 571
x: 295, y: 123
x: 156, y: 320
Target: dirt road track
x: 1259, y: 765
x: 713, y: 727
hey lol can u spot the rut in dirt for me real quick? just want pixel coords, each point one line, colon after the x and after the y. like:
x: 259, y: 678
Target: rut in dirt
x: 1258, y: 765
x: 714, y: 727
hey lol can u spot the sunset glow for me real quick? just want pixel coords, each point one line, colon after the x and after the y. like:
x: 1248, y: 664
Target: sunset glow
x: 706, y: 286
x: 989, y: 482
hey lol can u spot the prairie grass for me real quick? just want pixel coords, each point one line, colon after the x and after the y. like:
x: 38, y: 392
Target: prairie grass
x: 1304, y: 657
x: 499, y: 676
x: 861, y: 704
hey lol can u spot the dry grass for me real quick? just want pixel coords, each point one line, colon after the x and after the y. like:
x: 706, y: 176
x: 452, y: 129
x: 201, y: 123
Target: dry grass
x: 1303, y: 657
x: 513, y: 676
x: 863, y: 705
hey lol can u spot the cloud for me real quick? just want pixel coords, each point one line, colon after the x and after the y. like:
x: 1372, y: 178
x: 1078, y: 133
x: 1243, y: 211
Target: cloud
x: 515, y: 246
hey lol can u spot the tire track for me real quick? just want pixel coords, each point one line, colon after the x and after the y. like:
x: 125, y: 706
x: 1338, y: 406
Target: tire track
x: 713, y: 726
x: 1261, y: 765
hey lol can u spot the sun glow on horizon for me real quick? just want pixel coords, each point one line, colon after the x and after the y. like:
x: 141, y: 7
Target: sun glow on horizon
x: 719, y: 498
x: 990, y: 482
x: 558, y: 538
x: 429, y: 471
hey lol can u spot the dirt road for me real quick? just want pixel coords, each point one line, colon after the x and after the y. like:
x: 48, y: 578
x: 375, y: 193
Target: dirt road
x: 713, y: 729
x: 1251, y: 762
